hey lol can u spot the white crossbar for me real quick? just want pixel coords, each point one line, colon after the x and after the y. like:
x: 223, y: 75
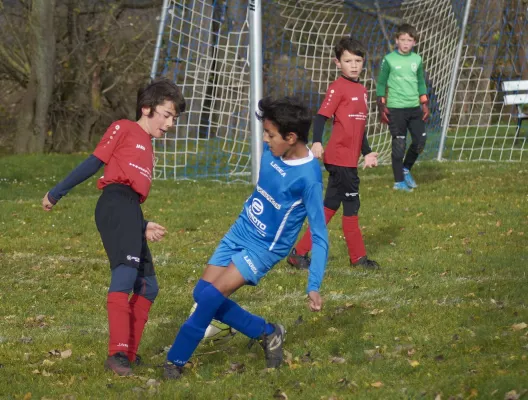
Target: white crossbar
x: 516, y: 99
x: 509, y: 86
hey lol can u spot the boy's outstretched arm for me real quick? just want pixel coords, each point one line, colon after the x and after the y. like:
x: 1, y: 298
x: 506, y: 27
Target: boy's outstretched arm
x: 83, y: 171
x: 313, y: 200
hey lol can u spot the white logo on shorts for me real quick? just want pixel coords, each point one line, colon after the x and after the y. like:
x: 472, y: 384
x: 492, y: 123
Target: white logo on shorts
x: 136, y: 259
x: 251, y: 265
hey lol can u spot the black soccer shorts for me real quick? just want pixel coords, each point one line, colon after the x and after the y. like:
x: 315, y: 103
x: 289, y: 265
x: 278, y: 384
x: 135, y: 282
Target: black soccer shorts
x: 119, y: 219
x: 342, y: 188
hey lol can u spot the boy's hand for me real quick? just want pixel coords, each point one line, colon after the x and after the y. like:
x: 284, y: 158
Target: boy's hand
x: 315, y: 301
x: 383, y: 111
x: 47, y: 205
x: 425, y: 112
x: 317, y: 150
x: 371, y: 160
x: 154, y: 232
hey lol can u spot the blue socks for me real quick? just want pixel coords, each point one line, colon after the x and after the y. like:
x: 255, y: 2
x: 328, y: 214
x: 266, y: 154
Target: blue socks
x: 232, y: 314
x: 193, y: 330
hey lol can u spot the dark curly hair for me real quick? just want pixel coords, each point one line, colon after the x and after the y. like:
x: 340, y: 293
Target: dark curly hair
x: 288, y: 114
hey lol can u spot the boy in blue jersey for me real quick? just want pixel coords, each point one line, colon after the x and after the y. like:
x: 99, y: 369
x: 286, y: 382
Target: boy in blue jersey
x: 289, y: 188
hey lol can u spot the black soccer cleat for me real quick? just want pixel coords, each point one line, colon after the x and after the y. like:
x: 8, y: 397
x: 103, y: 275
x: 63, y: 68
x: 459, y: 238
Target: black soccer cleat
x: 119, y: 363
x: 172, y: 371
x: 272, y: 346
x: 297, y: 260
x: 366, y: 263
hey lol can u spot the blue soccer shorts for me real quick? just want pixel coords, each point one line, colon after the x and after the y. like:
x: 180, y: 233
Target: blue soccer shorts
x: 252, y: 263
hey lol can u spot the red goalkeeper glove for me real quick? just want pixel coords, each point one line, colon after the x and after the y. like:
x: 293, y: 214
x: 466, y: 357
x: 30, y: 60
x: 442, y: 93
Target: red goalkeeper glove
x: 383, y: 111
x: 424, y: 101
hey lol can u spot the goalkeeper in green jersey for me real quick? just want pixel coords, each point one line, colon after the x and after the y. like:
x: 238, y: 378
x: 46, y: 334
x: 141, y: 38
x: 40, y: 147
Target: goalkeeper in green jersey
x: 403, y: 104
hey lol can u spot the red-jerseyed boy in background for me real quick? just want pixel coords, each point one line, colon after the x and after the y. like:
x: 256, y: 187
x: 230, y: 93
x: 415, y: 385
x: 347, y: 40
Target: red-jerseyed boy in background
x: 346, y: 102
x: 128, y: 158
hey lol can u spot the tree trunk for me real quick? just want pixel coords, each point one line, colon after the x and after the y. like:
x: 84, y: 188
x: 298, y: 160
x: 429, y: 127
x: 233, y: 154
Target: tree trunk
x: 520, y: 37
x: 32, y: 125
x: 476, y: 108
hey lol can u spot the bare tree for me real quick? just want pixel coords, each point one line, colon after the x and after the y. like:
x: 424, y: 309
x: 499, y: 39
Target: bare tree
x: 32, y: 121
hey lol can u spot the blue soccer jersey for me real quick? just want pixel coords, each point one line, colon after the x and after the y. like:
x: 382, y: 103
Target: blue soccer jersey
x: 287, y: 192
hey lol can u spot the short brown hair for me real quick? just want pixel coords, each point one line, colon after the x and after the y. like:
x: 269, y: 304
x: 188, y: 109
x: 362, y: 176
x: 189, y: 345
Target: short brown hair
x: 158, y: 91
x: 406, y: 29
x: 350, y: 44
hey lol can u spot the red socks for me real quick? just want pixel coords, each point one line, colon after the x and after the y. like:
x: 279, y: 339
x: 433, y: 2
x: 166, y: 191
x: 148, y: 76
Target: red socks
x: 118, y: 322
x: 305, y: 244
x: 126, y: 321
x: 140, y: 307
x: 353, y: 237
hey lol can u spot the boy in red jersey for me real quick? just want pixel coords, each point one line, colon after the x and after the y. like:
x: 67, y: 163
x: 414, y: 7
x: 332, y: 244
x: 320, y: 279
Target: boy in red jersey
x: 346, y: 101
x: 127, y: 154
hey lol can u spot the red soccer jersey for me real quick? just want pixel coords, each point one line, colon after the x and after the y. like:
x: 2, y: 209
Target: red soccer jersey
x: 126, y: 149
x: 346, y: 101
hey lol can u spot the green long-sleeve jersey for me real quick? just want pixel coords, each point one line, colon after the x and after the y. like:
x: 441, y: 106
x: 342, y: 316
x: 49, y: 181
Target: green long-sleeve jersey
x: 401, y: 80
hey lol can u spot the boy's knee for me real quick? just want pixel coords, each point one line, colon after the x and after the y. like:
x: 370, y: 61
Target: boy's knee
x: 147, y: 287
x: 151, y: 288
x: 419, y: 145
x: 398, y: 147
x: 351, y: 206
x: 332, y: 203
x: 123, y: 279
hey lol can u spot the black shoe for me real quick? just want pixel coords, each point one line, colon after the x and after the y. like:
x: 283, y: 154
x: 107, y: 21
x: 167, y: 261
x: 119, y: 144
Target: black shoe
x: 298, y: 261
x: 366, y: 263
x: 119, y: 363
x: 272, y: 346
x: 138, y: 361
x: 172, y: 371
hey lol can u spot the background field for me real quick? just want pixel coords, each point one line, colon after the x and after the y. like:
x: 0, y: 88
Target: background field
x: 445, y: 317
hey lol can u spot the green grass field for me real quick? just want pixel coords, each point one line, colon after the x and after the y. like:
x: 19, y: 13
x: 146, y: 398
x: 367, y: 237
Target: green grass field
x: 446, y: 317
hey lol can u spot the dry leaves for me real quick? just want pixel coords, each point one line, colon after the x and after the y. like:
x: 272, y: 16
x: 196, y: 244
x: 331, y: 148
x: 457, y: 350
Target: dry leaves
x: 519, y: 327
x: 279, y: 394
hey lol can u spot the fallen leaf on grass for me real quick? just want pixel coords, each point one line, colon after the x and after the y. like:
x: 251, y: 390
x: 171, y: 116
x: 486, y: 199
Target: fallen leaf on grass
x: 376, y: 312
x: 28, y: 396
x: 377, y: 384
x: 152, y: 382
x: 279, y: 394
x: 47, y: 362
x: 512, y: 395
x: 337, y: 360
x: 413, y: 363
x: 518, y: 327
x: 66, y: 353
